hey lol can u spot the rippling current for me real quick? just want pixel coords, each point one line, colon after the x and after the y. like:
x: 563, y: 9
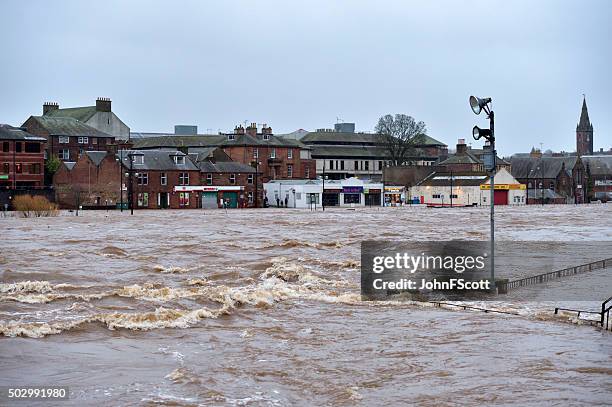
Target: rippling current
x: 262, y: 307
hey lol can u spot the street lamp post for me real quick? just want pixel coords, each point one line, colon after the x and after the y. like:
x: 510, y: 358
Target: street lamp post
x: 131, y: 181
x: 120, y: 161
x: 477, y: 106
x: 451, y: 192
x: 323, y: 190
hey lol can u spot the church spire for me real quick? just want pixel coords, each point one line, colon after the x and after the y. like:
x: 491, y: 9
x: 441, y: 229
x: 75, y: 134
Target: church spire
x: 584, y: 124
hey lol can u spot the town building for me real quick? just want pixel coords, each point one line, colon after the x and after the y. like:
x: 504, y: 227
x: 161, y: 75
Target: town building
x: 99, y: 116
x: 21, y: 159
x: 224, y: 182
x: 275, y: 157
x: 343, y: 153
x: 599, y: 175
x: 93, y: 180
x: 469, y: 159
x: 468, y: 189
x: 350, y: 192
x: 72, y: 131
x: 565, y: 176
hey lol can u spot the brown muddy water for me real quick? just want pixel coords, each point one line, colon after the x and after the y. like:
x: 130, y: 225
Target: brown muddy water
x: 262, y: 307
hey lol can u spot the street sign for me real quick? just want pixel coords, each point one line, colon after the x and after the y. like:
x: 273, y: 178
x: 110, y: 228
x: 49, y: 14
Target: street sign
x: 489, y: 160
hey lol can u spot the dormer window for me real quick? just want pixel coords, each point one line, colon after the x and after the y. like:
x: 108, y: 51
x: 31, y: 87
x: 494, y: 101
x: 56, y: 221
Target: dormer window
x: 138, y: 158
x: 231, y: 137
x: 179, y: 159
x: 266, y: 137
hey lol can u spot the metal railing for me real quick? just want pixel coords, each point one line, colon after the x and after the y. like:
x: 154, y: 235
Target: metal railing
x: 570, y: 271
x: 604, y: 314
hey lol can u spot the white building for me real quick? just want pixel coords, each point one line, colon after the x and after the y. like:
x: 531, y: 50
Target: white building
x: 469, y: 188
x: 350, y: 192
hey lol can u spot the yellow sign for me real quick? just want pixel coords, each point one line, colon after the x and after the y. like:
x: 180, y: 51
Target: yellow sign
x: 504, y: 186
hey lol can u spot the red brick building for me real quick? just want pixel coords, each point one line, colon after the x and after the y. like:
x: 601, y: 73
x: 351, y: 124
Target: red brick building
x: 275, y: 157
x: 223, y: 181
x: 21, y: 159
x: 68, y: 138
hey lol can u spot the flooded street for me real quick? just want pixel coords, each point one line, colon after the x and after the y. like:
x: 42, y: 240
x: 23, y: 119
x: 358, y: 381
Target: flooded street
x: 262, y: 307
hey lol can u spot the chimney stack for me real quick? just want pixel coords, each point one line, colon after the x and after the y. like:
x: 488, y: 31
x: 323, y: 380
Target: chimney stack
x: 49, y: 106
x: 266, y: 129
x: 239, y: 130
x: 461, y: 147
x: 252, y: 130
x: 103, y: 105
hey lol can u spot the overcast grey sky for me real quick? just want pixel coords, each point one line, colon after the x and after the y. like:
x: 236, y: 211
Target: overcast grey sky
x: 301, y: 65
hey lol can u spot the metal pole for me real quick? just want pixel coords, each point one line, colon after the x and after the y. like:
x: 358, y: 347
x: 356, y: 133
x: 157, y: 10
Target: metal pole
x: 451, y: 185
x: 256, y: 170
x: 131, y: 189
x: 492, y: 127
x: 121, y: 182
x: 323, y: 191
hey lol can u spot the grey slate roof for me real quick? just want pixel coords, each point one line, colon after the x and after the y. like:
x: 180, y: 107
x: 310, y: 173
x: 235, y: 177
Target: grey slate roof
x: 221, y: 140
x: 68, y: 126
x: 16, y: 133
x: 459, y: 179
x: 322, y: 151
x: 96, y: 156
x: 598, y: 164
x: 157, y: 160
x: 225, y: 167
x: 461, y: 159
x: 336, y: 137
x: 548, y: 194
x: 81, y: 114
x: 544, y: 167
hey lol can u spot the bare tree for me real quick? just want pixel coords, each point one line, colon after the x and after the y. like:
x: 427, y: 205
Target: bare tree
x: 399, y: 135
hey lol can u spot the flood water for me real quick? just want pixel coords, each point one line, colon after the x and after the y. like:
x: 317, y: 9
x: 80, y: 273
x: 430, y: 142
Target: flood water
x: 262, y: 307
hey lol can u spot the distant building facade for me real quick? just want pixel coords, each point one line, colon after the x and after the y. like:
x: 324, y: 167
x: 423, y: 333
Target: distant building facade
x: 584, y: 132
x: 21, y: 159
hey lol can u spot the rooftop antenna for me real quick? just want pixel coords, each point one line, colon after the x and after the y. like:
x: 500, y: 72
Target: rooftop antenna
x: 339, y: 120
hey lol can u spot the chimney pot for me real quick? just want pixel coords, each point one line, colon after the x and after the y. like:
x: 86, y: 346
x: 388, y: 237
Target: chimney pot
x: 49, y: 106
x: 103, y: 104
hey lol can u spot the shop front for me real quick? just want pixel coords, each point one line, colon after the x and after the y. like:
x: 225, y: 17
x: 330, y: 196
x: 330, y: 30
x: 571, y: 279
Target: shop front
x: 372, y: 197
x: 351, y: 195
x: 394, y: 195
x: 331, y: 197
x: 211, y: 197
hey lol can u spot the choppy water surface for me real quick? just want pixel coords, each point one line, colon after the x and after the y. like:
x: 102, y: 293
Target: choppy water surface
x: 262, y: 307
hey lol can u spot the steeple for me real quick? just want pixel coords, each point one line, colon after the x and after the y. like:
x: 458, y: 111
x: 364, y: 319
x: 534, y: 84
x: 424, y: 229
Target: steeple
x: 584, y: 124
x: 584, y: 132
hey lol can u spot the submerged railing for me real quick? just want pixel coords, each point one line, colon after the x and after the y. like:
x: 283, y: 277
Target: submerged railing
x: 604, y: 315
x: 542, y: 278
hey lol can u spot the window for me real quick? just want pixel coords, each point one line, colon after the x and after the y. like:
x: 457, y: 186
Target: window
x: 183, y: 178
x: 307, y: 172
x: 312, y: 198
x: 273, y: 153
x: 35, y: 168
x: 6, y: 168
x: 331, y: 164
x: 356, y: 165
x: 83, y: 140
x: 352, y: 198
x: 64, y: 139
x: 289, y: 171
x: 94, y: 140
x: 179, y: 159
x: 380, y: 166
x: 255, y: 153
x: 290, y: 154
x: 367, y: 165
x: 250, y: 179
x: 250, y: 197
x: 232, y: 178
x: 266, y: 137
x: 5, y: 147
x: 342, y: 164
x: 436, y: 196
x: 184, y: 199
x: 143, y: 199
x: 209, y: 179
x: 163, y: 178
x: 64, y: 154
x: 18, y: 147
x: 552, y: 185
x: 143, y: 178
x: 18, y: 168
x: 138, y: 158
x: 32, y: 148
x: 454, y: 196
